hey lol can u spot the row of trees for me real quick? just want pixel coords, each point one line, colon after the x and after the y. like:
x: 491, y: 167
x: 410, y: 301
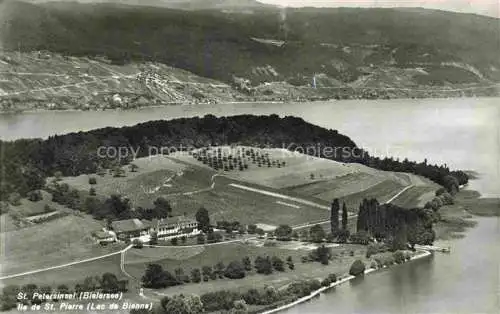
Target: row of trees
x: 395, y: 224
x: 156, y: 277
x: 114, y: 207
x: 341, y: 233
x: 219, y: 160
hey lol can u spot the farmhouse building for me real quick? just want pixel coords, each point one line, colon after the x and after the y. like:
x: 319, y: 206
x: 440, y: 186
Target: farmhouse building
x: 131, y: 229
x: 103, y: 237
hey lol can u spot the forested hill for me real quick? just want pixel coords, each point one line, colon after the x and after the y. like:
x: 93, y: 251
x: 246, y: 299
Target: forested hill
x: 26, y: 163
x: 341, y: 47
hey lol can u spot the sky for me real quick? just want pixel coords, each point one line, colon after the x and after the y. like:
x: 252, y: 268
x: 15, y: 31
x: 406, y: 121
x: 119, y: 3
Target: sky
x: 483, y: 7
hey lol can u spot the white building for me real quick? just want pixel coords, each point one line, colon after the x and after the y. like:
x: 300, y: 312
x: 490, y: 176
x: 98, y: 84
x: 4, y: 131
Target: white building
x: 175, y: 227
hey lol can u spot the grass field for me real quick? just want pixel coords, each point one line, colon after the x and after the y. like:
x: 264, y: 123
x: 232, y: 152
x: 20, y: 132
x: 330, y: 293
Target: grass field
x: 72, y: 274
x: 156, y: 176
x: 225, y: 202
x: 211, y: 255
x: 415, y: 196
x: 151, y: 254
x: 49, y: 244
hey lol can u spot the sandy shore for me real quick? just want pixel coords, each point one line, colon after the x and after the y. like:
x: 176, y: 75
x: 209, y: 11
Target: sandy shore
x: 337, y: 283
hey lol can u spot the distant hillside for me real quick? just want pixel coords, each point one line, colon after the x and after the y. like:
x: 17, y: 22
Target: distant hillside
x: 410, y: 49
x: 237, y: 5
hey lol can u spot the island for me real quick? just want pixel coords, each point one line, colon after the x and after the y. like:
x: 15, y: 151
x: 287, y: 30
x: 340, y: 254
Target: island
x: 239, y: 214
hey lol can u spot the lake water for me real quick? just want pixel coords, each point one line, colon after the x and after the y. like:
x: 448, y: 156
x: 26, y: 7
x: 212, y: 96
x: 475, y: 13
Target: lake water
x: 464, y: 133
x: 465, y: 281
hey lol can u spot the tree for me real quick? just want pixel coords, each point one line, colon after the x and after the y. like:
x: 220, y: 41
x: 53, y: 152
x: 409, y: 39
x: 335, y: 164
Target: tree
x: 164, y: 301
x: 260, y: 232
x: 14, y: 199
x: 242, y: 230
x: 177, y: 305
x: 153, y: 239
x: 196, y: 275
x: 203, y: 219
x: 343, y: 235
x: 277, y: 263
x: 63, y: 289
x: 137, y: 244
x: 239, y: 307
x: 155, y: 277
x: 35, y: 196
x: 289, y: 262
x: 133, y: 167
x: 252, y: 229
x: 317, y: 234
x: 92, y: 180
x: 357, y: 268
x: 344, y: 217
x: 200, y: 239
x: 9, y: 297
x: 284, y: 233
x: 207, y: 272
x: 247, y: 263
x: 118, y: 172
x: 451, y: 184
x: 322, y: 254
x: 174, y: 241
x: 58, y: 176
x: 235, y: 270
x: 334, y: 216
x: 263, y: 265
x: 219, y: 269
x: 91, y: 283
x: 162, y: 208
x: 194, y: 304
x: 399, y: 257
x: 251, y: 296
x: 109, y: 283
x: 180, y: 276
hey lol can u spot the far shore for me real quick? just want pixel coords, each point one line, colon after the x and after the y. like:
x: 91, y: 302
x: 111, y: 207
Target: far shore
x: 43, y: 110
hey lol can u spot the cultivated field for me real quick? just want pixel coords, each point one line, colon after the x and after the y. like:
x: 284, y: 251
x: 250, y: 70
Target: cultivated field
x: 190, y: 186
x: 278, y: 168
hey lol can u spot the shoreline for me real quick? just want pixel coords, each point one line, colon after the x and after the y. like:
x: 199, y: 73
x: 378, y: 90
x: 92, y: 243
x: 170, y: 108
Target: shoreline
x: 333, y: 100
x: 337, y: 283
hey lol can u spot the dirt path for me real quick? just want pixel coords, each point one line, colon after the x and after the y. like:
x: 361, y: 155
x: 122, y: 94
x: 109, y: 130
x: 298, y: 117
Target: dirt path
x: 65, y: 265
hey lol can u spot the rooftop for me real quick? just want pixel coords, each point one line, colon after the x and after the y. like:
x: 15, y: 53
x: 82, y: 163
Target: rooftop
x: 129, y: 225
x: 173, y: 221
x: 101, y: 234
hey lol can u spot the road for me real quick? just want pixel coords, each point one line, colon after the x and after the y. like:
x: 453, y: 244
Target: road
x: 31, y: 272
x: 123, y: 251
